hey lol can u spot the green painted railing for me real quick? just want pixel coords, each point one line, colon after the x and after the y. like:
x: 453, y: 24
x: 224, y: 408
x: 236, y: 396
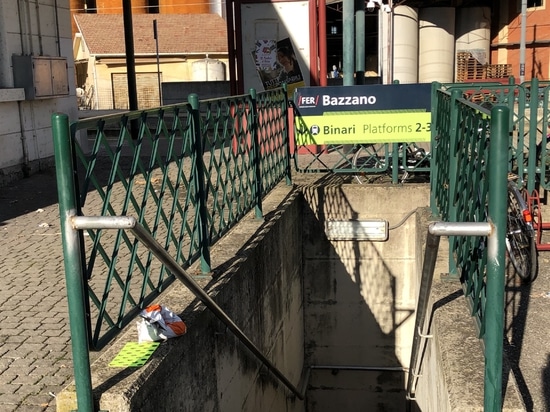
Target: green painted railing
x: 471, y: 158
x: 190, y: 172
x: 187, y: 173
x: 528, y: 125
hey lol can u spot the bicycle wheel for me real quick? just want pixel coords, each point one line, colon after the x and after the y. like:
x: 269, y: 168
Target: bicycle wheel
x: 520, y: 236
x: 364, y: 160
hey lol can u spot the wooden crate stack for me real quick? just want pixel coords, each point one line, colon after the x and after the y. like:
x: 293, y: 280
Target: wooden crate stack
x: 468, y: 68
x: 499, y: 71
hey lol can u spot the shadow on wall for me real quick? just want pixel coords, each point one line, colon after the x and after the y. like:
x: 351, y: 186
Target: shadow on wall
x: 359, y: 311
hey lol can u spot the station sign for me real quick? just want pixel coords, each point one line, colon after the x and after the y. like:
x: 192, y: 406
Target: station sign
x: 363, y: 114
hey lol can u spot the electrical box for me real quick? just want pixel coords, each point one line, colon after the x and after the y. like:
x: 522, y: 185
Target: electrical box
x: 42, y: 77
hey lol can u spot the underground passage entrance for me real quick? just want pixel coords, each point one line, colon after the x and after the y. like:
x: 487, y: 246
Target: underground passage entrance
x: 334, y: 312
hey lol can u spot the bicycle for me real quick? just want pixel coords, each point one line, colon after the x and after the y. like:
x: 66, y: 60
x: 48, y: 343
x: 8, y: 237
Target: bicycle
x: 520, y: 235
x: 367, y: 161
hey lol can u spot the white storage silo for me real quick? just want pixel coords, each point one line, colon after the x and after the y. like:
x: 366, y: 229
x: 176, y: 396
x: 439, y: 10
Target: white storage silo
x: 473, y: 40
x: 208, y: 70
x: 405, y: 44
x: 436, y: 48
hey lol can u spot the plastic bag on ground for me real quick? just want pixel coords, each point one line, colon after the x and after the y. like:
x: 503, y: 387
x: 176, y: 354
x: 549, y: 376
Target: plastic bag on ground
x: 159, y: 323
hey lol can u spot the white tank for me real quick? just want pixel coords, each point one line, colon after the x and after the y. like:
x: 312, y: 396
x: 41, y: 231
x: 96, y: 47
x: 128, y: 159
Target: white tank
x: 473, y: 35
x: 208, y: 70
x: 405, y: 44
x: 436, y: 49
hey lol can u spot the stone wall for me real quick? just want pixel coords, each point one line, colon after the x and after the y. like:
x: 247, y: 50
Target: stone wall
x: 257, y: 281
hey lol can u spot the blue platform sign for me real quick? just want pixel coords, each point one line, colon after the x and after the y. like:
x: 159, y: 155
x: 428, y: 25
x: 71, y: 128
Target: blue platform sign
x: 363, y: 114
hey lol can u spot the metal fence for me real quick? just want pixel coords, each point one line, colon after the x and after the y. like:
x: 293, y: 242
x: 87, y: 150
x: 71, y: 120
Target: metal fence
x: 190, y: 172
x: 471, y: 158
x: 528, y: 127
x: 187, y: 173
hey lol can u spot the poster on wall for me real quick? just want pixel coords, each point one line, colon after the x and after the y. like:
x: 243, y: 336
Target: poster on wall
x: 276, y: 63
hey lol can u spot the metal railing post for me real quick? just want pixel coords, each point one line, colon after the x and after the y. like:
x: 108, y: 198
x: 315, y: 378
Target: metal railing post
x: 433, y: 147
x: 453, y: 171
x: 426, y: 280
x: 395, y: 159
x: 76, y: 296
x: 533, y: 130
x: 204, y: 242
x: 286, y: 136
x: 494, y: 307
x: 255, y: 153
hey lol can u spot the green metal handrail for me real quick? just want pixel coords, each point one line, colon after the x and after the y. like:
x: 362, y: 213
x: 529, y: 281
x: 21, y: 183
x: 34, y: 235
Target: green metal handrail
x: 470, y: 163
x: 188, y: 172
x: 529, y: 106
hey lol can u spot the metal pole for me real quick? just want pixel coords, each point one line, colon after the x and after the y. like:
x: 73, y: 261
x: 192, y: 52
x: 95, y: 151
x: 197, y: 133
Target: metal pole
x: 255, y: 153
x: 532, y: 136
x: 130, y: 56
x: 155, y: 34
x: 322, y: 39
x: 389, y: 74
x: 202, y: 220
x: 494, y: 307
x: 522, y: 41
x: 130, y: 64
x: 232, y: 60
x: 453, y: 171
x: 286, y: 136
x: 430, y: 258
x: 360, y: 43
x: 348, y: 42
x: 434, y: 147
x: 435, y: 230
x: 74, y: 277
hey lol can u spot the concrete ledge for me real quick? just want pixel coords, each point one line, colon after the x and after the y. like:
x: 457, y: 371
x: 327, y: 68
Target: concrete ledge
x: 257, y: 282
x: 453, y: 373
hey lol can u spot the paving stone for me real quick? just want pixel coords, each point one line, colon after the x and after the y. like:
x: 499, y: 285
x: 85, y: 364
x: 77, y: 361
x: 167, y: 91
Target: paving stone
x: 8, y: 389
x: 26, y: 380
x: 12, y: 398
x: 41, y: 399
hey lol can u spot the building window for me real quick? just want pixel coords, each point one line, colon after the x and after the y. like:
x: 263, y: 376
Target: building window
x: 534, y: 3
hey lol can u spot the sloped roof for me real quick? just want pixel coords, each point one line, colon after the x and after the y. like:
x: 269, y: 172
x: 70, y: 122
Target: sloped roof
x: 177, y: 33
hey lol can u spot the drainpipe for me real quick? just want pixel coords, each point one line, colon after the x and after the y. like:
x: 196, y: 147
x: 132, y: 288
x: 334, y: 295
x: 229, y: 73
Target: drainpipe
x: 58, y: 36
x: 95, y: 86
x: 25, y: 167
x: 40, y: 46
x: 29, y: 26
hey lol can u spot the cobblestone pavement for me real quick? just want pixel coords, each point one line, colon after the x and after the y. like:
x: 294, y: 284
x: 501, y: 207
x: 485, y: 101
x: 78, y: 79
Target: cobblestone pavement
x: 35, y: 351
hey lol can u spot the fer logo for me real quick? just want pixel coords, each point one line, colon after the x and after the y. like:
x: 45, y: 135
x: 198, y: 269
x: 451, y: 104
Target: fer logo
x: 307, y: 101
